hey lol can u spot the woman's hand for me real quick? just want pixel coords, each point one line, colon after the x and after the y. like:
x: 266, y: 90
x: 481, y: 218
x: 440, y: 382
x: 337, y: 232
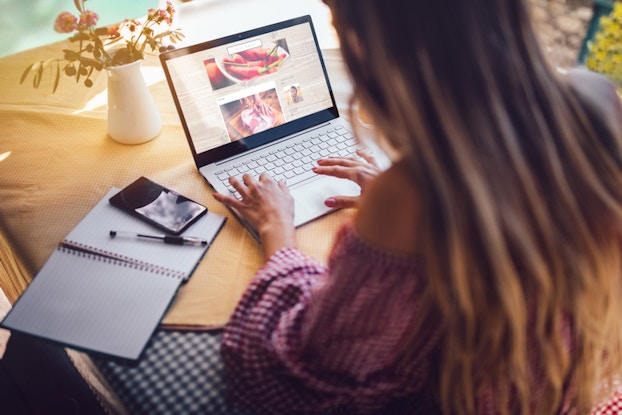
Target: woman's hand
x: 359, y: 171
x: 268, y: 207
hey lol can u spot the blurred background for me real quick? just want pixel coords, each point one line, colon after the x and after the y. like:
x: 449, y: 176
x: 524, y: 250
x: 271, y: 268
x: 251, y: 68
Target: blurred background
x: 25, y: 24
x: 565, y: 25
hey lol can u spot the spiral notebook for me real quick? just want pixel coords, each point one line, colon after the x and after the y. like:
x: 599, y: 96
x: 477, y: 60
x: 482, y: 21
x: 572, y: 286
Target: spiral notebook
x: 107, y: 295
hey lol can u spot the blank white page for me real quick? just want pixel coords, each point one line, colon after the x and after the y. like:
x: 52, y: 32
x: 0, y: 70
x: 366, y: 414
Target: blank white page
x: 91, y: 303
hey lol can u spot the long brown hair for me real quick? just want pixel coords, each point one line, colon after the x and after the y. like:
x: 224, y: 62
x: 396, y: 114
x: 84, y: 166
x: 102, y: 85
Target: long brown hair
x: 521, y: 197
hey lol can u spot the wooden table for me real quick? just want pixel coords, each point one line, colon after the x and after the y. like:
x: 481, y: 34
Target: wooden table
x: 57, y: 161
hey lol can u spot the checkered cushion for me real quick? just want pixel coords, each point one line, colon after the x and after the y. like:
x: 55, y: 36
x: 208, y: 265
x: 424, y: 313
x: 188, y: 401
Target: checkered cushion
x: 180, y: 372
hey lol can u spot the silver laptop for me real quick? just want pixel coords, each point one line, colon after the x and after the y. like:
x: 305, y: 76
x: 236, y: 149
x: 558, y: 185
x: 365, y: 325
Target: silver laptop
x: 260, y: 101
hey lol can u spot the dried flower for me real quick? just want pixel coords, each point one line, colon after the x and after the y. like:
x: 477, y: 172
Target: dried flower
x: 96, y: 46
x: 88, y: 18
x: 66, y: 23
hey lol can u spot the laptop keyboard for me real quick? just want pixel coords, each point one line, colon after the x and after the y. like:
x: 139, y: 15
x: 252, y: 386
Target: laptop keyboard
x: 293, y: 160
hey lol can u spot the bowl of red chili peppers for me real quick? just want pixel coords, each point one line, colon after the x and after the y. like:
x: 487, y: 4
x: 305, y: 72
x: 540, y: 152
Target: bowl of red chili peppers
x: 252, y: 63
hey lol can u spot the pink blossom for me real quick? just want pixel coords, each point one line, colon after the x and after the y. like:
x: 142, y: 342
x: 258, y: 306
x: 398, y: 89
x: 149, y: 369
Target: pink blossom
x: 89, y: 18
x: 113, y: 31
x: 170, y: 8
x: 164, y: 16
x: 171, y: 11
x: 66, y: 23
x: 131, y: 24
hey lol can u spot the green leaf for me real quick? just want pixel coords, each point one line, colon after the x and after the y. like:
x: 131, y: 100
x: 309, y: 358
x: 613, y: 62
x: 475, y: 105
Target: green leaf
x: 71, y: 55
x: 47, y: 62
x: 91, y: 63
x: 101, y: 31
x: 122, y: 57
x: 57, y: 78
x: 25, y: 73
x: 79, y: 36
x: 98, y: 45
x: 115, y: 40
x: 38, y: 75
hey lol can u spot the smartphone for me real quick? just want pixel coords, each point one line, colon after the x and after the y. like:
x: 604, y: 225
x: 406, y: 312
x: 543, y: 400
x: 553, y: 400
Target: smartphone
x: 158, y: 205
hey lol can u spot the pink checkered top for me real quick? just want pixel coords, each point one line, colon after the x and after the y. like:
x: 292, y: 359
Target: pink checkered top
x: 306, y: 338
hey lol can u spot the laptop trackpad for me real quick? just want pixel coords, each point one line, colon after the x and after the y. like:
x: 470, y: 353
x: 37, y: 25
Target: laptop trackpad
x: 310, y: 196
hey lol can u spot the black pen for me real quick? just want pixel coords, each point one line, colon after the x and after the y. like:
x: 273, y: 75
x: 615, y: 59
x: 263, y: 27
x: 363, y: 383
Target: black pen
x: 167, y: 239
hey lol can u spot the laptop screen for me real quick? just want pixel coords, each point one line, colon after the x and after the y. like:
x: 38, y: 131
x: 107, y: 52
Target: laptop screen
x: 242, y: 91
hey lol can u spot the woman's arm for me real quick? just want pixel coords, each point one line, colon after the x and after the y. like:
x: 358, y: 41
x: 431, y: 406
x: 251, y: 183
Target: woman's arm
x: 304, y: 338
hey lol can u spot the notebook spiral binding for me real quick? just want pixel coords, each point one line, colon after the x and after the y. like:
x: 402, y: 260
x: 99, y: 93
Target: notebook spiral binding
x: 111, y: 258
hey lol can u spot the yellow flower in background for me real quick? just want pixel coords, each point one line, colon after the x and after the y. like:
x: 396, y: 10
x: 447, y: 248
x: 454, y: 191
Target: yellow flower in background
x: 605, y: 54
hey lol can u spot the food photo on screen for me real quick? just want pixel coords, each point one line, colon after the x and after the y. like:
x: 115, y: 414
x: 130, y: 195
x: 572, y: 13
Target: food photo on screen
x: 246, y: 64
x: 252, y: 113
x: 216, y: 78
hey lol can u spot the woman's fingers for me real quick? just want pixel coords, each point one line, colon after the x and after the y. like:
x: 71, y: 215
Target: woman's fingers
x: 263, y: 177
x: 367, y: 157
x: 340, y: 161
x: 259, y: 197
x: 342, y: 202
x: 361, y: 170
x: 228, y: 200
x: 241, y: 186
x: 363, y: 159
x: 337, y: 171
x: 357, y: 174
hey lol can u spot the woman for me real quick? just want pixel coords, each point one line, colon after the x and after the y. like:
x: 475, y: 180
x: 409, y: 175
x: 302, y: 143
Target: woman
x: 481, y: 274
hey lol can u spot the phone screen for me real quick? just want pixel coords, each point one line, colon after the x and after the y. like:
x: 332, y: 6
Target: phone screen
x: 158, y: 205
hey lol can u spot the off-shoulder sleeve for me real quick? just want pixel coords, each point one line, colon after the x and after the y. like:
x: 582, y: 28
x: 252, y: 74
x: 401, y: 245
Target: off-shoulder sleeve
x: 601, y: 93
x: 304, y: 338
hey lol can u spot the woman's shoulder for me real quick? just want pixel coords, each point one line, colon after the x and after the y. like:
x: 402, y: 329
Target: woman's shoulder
x: 389, y: 211
x: 589, y: 82
x: 600, y: 93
